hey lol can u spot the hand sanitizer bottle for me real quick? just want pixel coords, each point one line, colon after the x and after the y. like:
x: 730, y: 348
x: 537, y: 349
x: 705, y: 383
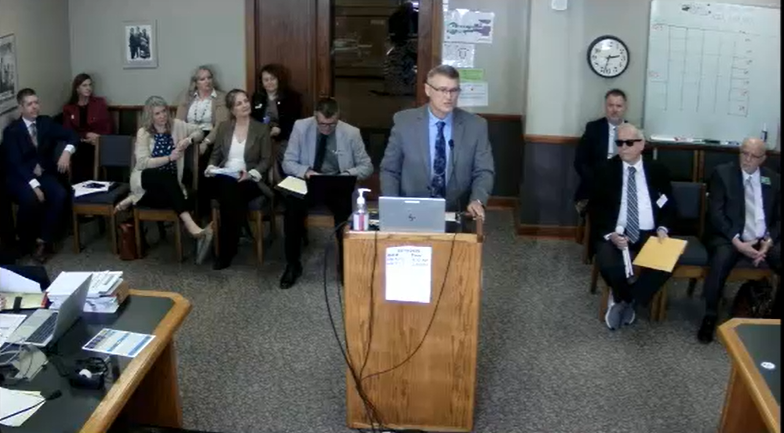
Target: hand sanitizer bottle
x: 360, y: 216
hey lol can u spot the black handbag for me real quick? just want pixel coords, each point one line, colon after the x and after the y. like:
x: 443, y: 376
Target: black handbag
x: 754, y: 300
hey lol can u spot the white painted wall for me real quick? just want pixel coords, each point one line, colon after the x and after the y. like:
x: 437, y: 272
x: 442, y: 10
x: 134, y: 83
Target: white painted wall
x: 190, y: 33
x: 43, y: 57
x: 562, y: 92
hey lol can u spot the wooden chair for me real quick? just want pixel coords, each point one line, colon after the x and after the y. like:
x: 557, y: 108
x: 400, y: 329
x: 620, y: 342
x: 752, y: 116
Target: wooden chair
x: 142, y: 213
x: 111, y: 151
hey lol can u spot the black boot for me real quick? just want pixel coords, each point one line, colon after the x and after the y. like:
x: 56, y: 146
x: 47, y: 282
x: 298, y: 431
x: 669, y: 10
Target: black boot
x: 290, y: 275
x: 705, y: 334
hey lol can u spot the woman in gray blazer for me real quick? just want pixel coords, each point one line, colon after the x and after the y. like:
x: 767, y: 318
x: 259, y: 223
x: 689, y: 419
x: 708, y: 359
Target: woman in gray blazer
x: 239, y: 163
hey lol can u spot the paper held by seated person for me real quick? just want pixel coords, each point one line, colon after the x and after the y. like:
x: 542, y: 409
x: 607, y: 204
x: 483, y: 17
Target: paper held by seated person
x: 660, y: 255
x: 215, y: 171
x: 293, y: 185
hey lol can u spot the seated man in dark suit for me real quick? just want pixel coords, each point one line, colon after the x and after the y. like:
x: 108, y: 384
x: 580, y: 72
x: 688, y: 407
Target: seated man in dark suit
x: 31, y: 166
x: 597, y: 145
x: 319, y: 145
x: 744, y: 221
x: 631, y: 201
x: 439, y: 150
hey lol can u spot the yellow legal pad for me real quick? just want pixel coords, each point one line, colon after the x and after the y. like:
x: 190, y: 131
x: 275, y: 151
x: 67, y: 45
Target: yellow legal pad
x: 660, y: 255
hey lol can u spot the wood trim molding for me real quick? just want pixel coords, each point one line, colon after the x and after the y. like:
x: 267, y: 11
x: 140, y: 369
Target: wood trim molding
x: 428, y: 43
x: 250, y: 46
x: 323, y: 43
x: 501, y: 117
x: 112, y: 404
x: 542, y: 231
x: 551, y: 139
x: 502, y: 203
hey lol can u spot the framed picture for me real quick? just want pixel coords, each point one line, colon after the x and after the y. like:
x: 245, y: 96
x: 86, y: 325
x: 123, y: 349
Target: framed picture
x: 139, y: 44
x: 9, y: 83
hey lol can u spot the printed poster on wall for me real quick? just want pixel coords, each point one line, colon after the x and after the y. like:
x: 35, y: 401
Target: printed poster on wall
x: 458, y: 55
x: 473, y: 94
x: 473, y: 27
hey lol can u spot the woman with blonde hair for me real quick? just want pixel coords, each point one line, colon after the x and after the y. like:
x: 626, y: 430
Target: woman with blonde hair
x: 156, y: 179
x: 203, y: 104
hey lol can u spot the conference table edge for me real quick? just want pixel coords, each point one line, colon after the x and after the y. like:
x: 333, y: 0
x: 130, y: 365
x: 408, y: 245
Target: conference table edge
x: 113, y: 403
x: 769, y: 410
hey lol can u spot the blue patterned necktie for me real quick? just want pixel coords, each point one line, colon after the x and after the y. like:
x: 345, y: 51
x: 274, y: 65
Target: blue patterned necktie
x: 438, y: 181
x: 632, y: 212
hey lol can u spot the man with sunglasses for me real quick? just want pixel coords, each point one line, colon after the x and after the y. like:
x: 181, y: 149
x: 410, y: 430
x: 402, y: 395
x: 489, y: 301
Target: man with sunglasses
x: 440, y: 151
x: 631, y: 201
x: 319, y: 145
x: 744, y: 223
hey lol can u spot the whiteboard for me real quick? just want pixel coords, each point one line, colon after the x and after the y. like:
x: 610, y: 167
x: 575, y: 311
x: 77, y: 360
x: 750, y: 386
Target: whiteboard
x: 713, y: 71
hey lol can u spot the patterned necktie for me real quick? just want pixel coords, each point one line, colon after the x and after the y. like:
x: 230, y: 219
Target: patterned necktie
x: 438, y: 181
x: 750, y: 227
x: 321, y: 149
x: 34, y: 134
x: 632, y: 212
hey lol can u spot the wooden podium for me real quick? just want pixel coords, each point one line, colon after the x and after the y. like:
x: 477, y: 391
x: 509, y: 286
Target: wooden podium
x: 434, y: 390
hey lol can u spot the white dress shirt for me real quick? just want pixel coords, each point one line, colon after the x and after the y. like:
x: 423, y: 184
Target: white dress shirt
x: 200, y: 111
x: 759, y: 210
x: 236, y: 159
x: 644, y: 207
x: 612, y: 149
x: 68, y: 148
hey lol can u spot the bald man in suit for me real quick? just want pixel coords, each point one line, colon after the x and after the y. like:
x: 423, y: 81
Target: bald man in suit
x: 440, y: 151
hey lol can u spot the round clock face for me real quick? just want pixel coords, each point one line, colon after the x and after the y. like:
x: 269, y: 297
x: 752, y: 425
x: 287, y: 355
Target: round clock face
x: 608, y: 56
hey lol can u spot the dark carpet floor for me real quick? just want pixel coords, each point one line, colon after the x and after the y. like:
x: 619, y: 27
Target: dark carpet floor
x: 253, y: 358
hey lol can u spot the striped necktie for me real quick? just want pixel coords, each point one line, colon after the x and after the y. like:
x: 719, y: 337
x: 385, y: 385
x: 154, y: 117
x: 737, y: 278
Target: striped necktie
x: 750, y: 226
x: 632, y: 212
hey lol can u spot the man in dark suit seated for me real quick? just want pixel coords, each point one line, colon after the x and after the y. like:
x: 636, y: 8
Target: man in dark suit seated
x: 631, y: 201
x: 597, y: 145
x: 744, y: 222
x: 439, y: 150
x: 31, y: 166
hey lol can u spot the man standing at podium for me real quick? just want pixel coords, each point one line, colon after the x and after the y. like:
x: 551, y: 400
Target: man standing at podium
x: 440, y: 151
x: 631, y: 201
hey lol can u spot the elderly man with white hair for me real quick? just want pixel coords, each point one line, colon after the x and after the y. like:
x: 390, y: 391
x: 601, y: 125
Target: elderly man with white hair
x: 630, y: 202
x: 744, y: 215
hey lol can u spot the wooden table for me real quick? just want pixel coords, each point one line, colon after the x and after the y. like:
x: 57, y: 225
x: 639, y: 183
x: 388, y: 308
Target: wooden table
x: 146, y: 392
x: 752, y: 401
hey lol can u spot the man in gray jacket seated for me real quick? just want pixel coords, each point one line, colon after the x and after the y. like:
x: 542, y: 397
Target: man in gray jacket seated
x: 319, y: 145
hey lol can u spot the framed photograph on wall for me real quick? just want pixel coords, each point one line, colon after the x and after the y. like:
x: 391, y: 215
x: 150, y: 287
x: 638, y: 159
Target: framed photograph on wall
x: 140, y: 44
x: 9, y: 83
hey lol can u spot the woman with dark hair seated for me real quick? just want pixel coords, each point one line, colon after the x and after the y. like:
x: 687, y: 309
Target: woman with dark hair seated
x: 156, y: 179
x: 88, y: 115
x: 239, y: 163
x: 276, y: 105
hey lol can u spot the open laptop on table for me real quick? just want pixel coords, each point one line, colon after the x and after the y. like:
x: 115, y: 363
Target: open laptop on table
x: 409, y: 214
x: 46, y: 326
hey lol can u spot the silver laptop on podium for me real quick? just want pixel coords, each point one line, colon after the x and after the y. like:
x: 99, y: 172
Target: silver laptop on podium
x: 409, y: 214
x: 46, y: 326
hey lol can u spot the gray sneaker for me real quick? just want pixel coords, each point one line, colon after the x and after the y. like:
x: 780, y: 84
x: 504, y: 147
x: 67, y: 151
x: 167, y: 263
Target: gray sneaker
x: 628, y: 316
x: 614, y: 315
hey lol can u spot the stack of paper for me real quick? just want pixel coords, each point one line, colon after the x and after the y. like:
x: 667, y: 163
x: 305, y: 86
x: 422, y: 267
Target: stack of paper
x: 90, y: 187
x: 13, y: 401
x: 293, y: 185
x: 660, y: 255
x: 105, y: 294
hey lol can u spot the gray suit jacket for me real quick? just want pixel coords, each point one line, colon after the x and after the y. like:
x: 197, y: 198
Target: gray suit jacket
x: 301, y: 149
x: 406, y: 168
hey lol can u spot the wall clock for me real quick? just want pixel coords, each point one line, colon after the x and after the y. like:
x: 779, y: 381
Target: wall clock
x: 608, y: 56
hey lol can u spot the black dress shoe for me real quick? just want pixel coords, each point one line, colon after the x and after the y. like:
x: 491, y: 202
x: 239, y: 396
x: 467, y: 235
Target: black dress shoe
x: 290, y: 276
x: 705, y: 334
x: 221, y: 263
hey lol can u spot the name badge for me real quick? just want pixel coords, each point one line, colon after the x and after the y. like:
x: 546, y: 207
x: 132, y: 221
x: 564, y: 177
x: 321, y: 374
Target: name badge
x: 765, y: 180
x: 661, y: 201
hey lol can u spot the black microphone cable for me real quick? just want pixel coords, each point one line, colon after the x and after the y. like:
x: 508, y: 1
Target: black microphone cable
x: 370, y: 410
